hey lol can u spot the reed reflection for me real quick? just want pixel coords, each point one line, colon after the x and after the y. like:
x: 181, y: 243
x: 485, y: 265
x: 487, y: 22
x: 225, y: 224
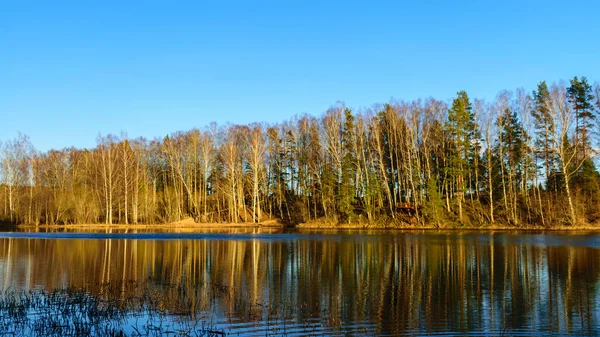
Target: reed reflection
x: 399, y: 282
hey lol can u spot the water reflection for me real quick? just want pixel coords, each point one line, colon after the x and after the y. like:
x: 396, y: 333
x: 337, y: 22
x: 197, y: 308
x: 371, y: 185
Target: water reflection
x: 382, y: 283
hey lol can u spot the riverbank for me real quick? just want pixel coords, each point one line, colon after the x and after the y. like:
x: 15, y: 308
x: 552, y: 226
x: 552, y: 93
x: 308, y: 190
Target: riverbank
x: 191, y: 226
x: 187, y: 224
x: 447, y: 227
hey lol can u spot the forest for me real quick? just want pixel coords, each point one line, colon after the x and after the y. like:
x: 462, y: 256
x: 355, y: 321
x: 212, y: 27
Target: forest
x: 524, y: 159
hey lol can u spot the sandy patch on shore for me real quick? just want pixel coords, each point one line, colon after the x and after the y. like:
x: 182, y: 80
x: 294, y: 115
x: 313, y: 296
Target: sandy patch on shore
x: 187, y: 223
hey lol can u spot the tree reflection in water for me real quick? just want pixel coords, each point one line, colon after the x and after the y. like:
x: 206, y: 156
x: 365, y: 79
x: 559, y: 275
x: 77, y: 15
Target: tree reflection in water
x: 374, y: 282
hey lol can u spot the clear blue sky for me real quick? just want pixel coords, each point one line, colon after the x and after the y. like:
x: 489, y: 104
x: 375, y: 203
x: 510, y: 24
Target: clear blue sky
x: 71, y: 70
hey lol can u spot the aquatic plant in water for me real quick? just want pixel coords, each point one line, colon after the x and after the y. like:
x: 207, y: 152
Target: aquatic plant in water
x: 80, y: 312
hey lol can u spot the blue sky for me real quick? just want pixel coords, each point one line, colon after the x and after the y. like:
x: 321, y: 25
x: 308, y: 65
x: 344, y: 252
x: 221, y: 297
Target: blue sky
x: 72, y: 70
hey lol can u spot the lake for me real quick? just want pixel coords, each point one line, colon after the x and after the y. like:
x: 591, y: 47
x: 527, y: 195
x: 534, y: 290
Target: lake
x: 313, y: 282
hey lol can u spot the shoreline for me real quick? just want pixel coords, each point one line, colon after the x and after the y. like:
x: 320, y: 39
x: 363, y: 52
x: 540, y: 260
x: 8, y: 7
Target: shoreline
x: 450, y: 228
x: 273, y: 224
x: 185, y: 224
x: 198, y: 226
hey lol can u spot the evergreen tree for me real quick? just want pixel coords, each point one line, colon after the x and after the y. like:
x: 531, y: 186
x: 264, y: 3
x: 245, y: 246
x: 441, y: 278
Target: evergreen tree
x: 463, y: 132
x: 347, y: 191
x: 511, y: 149
x: 434, y: 206
x: 581, y: 98
x: 514, y: 142
x: 544, y: 131
x: 587, y: 179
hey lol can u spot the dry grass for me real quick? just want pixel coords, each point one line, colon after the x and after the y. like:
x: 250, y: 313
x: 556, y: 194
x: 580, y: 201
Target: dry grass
x: 189, y: 225
x: 185, y: 224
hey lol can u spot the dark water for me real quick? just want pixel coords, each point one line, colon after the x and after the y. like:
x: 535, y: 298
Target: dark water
x: 332, y: 283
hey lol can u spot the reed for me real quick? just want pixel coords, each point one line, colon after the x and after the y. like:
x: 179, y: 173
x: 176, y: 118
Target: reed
x: 98, y: 310
x: 142, y: 308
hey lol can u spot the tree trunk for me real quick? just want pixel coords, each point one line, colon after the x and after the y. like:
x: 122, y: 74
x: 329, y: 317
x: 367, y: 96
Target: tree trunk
x: 490, y: 183
x: 569, y: 197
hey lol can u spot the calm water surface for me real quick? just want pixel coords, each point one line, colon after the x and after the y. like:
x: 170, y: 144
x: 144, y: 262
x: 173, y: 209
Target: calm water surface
x: 333, y: 283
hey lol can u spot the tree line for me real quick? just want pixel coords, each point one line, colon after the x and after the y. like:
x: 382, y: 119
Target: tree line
x: 525, y: 158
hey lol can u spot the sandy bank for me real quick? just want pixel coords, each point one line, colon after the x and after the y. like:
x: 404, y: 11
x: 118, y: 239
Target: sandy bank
x: 188, y: 224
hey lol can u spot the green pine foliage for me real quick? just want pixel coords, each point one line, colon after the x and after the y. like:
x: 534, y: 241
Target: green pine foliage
x: 346, y: 192
x: 434, y: 210
x: 544, y: 130
x: 581, y: 98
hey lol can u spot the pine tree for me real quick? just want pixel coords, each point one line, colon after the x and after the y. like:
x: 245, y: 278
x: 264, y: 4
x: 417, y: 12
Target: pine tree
x: 346, y: 191
x: 580, y: 96
x: 434, y: 206
x: 511, y: 150
x: 462, y: 130
x: 513, y: 138
x: 545, y: 129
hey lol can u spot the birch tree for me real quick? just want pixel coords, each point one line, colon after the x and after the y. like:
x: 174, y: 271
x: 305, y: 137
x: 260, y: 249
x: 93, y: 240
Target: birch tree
x: 108, y: 172
x: 257, y: 151
x: 563, y: 119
